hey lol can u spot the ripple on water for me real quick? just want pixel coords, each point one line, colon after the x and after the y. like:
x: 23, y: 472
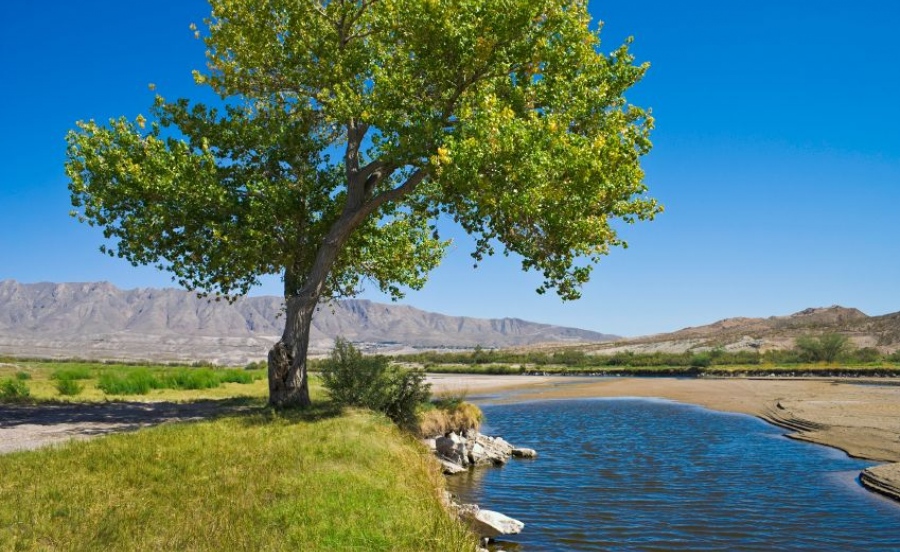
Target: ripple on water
x: 654, y: 475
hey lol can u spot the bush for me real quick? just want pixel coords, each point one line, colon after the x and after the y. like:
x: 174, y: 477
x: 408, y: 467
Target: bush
x: 447, y: 415
x: 132, y: 382
x: 825, y: 348
x: 72, y: 373
x: 373, y: 382
x: 23, y: 376
x: 237, y: 376
x: 69, y: 387
x: 188, y: 378
x: 14, y: 390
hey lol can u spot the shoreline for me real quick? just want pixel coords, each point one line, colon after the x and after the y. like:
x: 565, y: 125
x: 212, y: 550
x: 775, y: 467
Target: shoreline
x: 861, y: 419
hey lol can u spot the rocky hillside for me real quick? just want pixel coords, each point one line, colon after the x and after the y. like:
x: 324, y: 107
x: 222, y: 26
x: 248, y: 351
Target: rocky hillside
x: 98, y: 320
x: 774, y: 332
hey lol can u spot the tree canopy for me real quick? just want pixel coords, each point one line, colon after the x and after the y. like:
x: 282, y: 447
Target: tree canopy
x: 345, y: 129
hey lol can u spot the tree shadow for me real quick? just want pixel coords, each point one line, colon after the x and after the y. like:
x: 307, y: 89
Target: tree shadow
x: 121, y: 412
x: 316, y: 412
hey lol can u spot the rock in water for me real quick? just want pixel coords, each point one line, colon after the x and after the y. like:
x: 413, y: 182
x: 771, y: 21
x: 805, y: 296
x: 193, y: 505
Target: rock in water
x: 490, y: 524
x: 524, y: 453
x: 453, y: 449
x: 449, y: 468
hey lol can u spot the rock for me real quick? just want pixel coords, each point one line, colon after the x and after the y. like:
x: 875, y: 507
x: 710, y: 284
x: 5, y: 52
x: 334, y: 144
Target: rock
x: 430, y: 444
x: 484, y: 450
x: 449, y: 468
x: 524, y: 453
x: 453, y: 449
x: 489, y: 524
x: 478, y: 456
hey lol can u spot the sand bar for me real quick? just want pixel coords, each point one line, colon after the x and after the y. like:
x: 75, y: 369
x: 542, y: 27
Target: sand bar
x: 859, y: 417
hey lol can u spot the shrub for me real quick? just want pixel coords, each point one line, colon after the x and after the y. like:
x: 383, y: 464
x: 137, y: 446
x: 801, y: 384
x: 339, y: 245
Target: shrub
x: 69, y: 387
x: 23, y: 376
x: 14, y: 390
x: 824, y: 348
x: 72, y: 373
x: 373, y: 382
x: 237, y: 376
x: 131, y: 382
x: 701, y: 360
x: 188, y: 378
x: 448, y: 415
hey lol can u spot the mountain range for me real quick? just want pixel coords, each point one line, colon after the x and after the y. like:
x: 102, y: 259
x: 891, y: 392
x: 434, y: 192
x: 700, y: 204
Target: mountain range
x: 97, y: 320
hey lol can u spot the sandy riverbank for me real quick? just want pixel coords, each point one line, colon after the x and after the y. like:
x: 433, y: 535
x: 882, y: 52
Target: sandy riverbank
x: 860, y: 419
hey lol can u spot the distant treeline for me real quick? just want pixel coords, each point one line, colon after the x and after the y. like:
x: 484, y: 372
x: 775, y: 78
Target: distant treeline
x: 808, y: 358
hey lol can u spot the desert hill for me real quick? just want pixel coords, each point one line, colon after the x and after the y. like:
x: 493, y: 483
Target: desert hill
x: 774, y: 332
x: 100, y: 321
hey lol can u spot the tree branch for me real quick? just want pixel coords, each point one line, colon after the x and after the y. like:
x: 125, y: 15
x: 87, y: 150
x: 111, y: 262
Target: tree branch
x: 356, y: 185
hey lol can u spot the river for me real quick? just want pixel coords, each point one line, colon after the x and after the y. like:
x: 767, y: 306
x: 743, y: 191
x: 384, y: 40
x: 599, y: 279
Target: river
x: 637, y: 474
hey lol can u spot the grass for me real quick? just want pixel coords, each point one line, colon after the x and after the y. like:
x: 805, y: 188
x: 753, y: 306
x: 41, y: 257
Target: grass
x: 263, y: 481
x: 448, y: 413
x: 99, y: 382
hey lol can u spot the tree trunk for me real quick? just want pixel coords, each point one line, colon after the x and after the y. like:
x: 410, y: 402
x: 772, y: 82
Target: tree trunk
x: 288, y: 379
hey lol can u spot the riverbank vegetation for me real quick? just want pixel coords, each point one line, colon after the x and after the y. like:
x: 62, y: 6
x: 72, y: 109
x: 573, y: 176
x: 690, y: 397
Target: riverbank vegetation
x: 316, y: 480
x: 329, y: 477
x: 827, y: 355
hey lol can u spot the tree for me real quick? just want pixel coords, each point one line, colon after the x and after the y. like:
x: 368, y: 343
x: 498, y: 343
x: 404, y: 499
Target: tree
x: 345, y: 129
x: 824, y: 348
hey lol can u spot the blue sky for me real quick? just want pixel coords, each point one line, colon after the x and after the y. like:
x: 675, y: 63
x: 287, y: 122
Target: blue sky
x: 777, y: 156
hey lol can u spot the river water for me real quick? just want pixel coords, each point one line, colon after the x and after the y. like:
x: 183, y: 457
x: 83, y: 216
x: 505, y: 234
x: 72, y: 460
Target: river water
x: 635, y: 474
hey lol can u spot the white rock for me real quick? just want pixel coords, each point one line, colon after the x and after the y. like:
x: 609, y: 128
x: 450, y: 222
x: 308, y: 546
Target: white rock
x: 449, y: 468
x: 490, y: 524
x: 524, y: 453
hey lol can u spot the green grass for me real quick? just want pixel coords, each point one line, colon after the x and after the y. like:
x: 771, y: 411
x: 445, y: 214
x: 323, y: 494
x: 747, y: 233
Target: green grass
x: 101, y: 381
x: 263, y: 481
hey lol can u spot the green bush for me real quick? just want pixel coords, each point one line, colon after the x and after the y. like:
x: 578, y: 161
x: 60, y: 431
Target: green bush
x: 69, y: 387
x: 373, y: 382
x: 72, y: 373
x: 23, y: 376
x: 237, y: 376
x: 188, y: 378
x: 825, y: 348
x: 132, y: 382
x: 701, y: 360
x: 14, y: 390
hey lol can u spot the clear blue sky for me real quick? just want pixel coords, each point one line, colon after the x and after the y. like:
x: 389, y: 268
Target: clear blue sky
x: 777, y: 156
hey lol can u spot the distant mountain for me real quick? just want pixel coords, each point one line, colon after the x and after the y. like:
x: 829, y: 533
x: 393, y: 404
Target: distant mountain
x: 775, y: 332
x: 100, y: 321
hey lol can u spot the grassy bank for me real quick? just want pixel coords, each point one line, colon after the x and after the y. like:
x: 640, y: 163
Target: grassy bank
x: 263, y: 481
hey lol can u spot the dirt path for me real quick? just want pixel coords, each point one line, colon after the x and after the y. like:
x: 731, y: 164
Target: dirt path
x: 26, y: 427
